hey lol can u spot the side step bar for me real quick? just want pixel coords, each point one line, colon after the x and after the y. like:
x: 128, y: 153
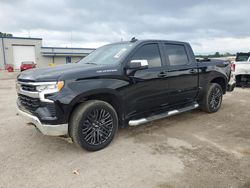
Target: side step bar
x: 163, y: 115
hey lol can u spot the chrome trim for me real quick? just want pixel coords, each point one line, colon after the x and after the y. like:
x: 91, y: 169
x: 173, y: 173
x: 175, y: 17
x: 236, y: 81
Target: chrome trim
x: 163, y: 115
x: 36, y: 83
x: 173, y: 112
x: 46, y: 129
x: 40, y: 95
x: 28, y: 93
x: 138, y: 122
x: 43, y: 93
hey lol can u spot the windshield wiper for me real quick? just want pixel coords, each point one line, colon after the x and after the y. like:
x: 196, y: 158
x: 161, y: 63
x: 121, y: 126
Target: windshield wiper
x: 91, y: 63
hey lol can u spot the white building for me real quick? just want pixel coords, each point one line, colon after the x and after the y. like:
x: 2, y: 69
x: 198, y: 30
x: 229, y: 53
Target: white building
x: 14, y: 50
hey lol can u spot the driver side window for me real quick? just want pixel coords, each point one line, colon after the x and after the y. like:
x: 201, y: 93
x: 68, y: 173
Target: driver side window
x: 149, y: 52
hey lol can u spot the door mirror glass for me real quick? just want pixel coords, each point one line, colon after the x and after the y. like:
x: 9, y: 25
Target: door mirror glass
x: 138, y: 64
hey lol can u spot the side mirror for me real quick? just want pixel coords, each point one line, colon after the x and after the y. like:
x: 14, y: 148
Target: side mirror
x: 138, y: 64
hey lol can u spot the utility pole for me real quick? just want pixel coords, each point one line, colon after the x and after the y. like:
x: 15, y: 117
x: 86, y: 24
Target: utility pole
x: 4, y: 60
x: 71, y: 39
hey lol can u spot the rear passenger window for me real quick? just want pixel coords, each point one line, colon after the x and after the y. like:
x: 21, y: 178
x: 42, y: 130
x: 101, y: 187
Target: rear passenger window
x: 149, y: 52
x: 176, y: 54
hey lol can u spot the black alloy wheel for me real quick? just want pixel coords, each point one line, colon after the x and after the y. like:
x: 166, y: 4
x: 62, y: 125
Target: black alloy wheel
x: 97, y: 126
x: 215, y: 98
x: 212, y: 98
x: 93, y: 125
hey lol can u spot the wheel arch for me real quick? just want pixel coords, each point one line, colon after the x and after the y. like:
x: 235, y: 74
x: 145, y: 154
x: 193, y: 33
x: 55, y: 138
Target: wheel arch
x: 108, y: 95
x: 221, y: 81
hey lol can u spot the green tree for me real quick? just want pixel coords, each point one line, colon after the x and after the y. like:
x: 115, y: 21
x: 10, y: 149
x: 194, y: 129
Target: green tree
x: 227, y: 54
x: 5, y: 34
x: 217, y: 54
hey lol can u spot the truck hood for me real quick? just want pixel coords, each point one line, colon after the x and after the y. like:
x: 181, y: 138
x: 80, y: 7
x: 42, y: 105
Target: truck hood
x: 242, y: 62
x: 64, y: 72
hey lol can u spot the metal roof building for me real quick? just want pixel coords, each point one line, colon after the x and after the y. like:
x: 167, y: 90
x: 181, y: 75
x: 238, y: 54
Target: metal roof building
x: 14, y: 50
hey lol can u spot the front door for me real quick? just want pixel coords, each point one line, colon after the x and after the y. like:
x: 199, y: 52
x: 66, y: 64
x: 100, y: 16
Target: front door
x: 148, y: 91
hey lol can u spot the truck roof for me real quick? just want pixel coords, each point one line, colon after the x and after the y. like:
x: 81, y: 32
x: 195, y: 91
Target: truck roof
x: 245, y: 53
x: 168, y: 41
x: 152, y: 40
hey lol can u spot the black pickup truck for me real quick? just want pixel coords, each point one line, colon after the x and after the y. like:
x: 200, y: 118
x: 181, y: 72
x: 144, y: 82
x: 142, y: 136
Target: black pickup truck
x: 120, y: 84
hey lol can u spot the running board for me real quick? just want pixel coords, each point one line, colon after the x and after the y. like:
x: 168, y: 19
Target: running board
x: 163, y: 115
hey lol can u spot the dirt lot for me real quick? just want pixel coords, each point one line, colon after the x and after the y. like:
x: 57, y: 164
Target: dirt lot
x: 193, y: 149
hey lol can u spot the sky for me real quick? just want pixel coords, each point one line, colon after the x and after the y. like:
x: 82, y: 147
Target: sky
x: 208, y: 25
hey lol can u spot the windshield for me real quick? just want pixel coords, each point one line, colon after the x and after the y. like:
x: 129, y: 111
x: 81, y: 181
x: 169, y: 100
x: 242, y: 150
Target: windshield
x: 108, y: 54
x: 242, y: 57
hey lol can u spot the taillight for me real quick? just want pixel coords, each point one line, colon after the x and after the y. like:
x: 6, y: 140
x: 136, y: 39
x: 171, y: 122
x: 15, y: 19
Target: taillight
x: 233, y: 66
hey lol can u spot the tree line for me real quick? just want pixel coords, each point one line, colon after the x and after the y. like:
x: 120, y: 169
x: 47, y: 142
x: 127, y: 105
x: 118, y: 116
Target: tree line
x: 216, y: 54
x: 5, y: 34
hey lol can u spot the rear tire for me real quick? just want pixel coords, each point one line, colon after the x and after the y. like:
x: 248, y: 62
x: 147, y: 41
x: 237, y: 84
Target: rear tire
x: 93, y: 125
x: 212, y: 99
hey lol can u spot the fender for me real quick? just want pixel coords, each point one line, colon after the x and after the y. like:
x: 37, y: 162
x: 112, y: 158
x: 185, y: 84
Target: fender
x: 76, y: 92
x: 208, y: 77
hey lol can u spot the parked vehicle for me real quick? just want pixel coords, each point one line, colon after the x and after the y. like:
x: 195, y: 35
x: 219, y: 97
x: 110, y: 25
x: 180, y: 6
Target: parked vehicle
x: 241, y: 69
x: 120, y: 84
x: 25, y: 65
x: 9, y: 68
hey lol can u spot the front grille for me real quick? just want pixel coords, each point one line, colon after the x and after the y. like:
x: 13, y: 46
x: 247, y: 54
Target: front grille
x: 32, y: 104
x: 28, y: 87
x: 29, y: 103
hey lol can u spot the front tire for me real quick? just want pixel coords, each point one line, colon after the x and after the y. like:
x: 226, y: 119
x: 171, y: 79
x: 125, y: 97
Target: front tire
x: 93, y: 125
x: 212, y: 99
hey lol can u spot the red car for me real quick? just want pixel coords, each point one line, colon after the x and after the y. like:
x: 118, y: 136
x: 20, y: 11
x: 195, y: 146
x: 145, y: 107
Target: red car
x: 27, y: 65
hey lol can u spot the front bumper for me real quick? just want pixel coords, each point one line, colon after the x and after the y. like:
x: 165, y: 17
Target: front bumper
x: 46, y: 129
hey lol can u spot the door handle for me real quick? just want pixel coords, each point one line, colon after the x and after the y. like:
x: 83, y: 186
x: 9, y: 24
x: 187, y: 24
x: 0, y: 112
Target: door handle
x: 162, y: 74
x: 192, y: 71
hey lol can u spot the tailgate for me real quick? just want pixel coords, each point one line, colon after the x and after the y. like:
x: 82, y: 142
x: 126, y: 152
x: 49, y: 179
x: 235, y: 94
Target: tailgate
x: 242, y: 68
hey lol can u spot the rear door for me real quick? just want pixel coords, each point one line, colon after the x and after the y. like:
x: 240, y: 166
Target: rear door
x: 182, y: 73
x: 148, y: 91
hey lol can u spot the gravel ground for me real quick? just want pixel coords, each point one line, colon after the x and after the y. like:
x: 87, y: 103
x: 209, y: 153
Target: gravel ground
x: 194, y: 149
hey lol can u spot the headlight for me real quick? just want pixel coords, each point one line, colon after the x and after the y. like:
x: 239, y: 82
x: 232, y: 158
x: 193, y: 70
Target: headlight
x: 50, y: 87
